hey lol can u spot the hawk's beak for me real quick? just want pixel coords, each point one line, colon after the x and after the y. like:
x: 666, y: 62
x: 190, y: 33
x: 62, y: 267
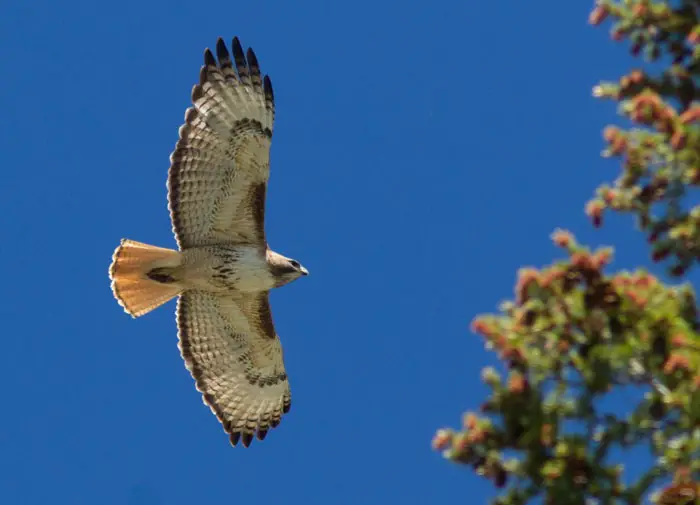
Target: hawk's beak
x: 303, y: 271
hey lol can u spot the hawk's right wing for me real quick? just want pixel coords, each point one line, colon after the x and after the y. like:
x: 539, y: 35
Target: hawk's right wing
x: 219, y: 170
x: 230, y: 347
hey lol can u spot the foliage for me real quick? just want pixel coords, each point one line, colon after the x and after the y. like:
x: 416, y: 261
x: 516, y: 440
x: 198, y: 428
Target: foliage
x: 574, y: 336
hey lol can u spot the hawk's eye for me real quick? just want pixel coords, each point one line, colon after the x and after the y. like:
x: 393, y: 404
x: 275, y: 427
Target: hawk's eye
x: 295, y: 264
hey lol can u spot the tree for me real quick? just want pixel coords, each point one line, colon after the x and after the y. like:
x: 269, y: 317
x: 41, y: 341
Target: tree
x: 573, y: 335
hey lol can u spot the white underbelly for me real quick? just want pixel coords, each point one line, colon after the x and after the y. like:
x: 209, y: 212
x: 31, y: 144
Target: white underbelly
x: 222, y: 269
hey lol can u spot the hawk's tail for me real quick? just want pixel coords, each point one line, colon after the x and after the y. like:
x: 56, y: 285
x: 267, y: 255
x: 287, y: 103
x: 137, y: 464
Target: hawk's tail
x: 140, y: 279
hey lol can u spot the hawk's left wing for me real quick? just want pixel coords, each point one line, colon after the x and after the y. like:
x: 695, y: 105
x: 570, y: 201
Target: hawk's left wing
x: 219, y: 170
x: 230, y: 346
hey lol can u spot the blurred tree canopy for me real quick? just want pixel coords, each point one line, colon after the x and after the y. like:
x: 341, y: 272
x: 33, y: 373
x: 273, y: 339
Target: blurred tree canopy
x: 574, y: 333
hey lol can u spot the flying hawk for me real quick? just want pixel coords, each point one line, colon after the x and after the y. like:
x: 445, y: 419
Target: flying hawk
x: 224, y: 269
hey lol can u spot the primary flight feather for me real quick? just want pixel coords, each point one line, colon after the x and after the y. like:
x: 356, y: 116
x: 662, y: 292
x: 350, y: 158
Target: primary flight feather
x: 224, y: 269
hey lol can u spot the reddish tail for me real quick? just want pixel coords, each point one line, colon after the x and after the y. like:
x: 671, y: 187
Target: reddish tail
x: 132, y: 288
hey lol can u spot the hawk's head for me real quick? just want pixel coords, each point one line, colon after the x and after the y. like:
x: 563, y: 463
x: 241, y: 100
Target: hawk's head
x: 283, y: 269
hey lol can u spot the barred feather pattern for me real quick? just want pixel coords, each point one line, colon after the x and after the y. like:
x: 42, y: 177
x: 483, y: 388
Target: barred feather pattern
x: 231, y: 349
x: 217, y: 180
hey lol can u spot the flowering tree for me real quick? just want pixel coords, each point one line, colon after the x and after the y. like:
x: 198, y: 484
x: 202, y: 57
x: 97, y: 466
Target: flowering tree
x: 574, y: 335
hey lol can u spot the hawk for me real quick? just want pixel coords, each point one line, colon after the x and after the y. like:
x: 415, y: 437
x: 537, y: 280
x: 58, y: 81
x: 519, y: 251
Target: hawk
x: 224, y: 270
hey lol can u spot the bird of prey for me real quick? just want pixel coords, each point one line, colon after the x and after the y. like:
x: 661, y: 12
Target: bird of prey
x: 224, y: 269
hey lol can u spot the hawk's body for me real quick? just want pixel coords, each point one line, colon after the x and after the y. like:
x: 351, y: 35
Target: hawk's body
x: 217, y: 184
x: 221, y: 269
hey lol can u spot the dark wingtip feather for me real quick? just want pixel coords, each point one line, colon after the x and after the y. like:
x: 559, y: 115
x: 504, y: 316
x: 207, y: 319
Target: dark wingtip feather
x: 247, y: 439
x: 237, y: 49
x: 262, y: 434
x: 235, y: 437
x: 222, y: 53
x: 238, y: 52
x: 267, y: 86
x: 241, y: 64
x: 209, y: 57
x: 252, y: 59
x: 286, y: 407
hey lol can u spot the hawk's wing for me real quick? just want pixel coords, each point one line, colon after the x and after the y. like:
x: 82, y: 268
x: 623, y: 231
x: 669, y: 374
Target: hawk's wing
x: 219, y: 170
x: 230, y: 346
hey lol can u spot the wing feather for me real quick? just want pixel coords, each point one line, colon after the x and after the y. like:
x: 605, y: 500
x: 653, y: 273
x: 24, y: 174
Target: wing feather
x: 230, y: 347
x: 241, y: 63
x: 219, y: 169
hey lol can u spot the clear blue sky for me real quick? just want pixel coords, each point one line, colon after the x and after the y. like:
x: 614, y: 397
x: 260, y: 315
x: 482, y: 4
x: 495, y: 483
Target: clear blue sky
x: 423, y: 151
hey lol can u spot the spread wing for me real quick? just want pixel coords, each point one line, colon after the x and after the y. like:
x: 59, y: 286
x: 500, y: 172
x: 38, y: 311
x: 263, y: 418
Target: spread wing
x: 218, y: 173
x: 230, y: 346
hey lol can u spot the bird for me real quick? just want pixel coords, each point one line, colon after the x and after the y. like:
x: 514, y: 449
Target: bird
x: 223, y: 269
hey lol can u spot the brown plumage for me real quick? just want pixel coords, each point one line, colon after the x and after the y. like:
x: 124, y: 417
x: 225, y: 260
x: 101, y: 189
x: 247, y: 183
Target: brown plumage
x: 224, y: 269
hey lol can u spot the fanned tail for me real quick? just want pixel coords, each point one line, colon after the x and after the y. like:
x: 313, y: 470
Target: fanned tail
x: 139, y: 275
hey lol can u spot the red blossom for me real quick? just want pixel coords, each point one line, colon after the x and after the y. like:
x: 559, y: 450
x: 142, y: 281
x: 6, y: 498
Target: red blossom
x: 582, y: 260
x: 679, y: 340
x: 526, y: 277
x: 600, y: 259
x: 619, y: 281
x: 469, y: 421
x: 638, y: 115
x: 562, y: 238
x: 618, y: 146
x: 480, y: 326
x: 500, y: 342
x: 476, y: 436
x: 638, y: 299
x: 441, y: 440
x: 609, y: 195
x: 598, y: 15
x: 552, y: 275
x: 678, y: 140
x: 636, y: 76
x: 676, y: 362
x: 691, y: 115
x: 645, y: 281
x: 640, y: 10
x: 610, y: 133
x: 517, y: 384
x: 682, y: 474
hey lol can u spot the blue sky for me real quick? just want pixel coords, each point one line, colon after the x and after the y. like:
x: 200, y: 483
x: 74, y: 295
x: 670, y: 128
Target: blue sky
x: 423, y: 152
